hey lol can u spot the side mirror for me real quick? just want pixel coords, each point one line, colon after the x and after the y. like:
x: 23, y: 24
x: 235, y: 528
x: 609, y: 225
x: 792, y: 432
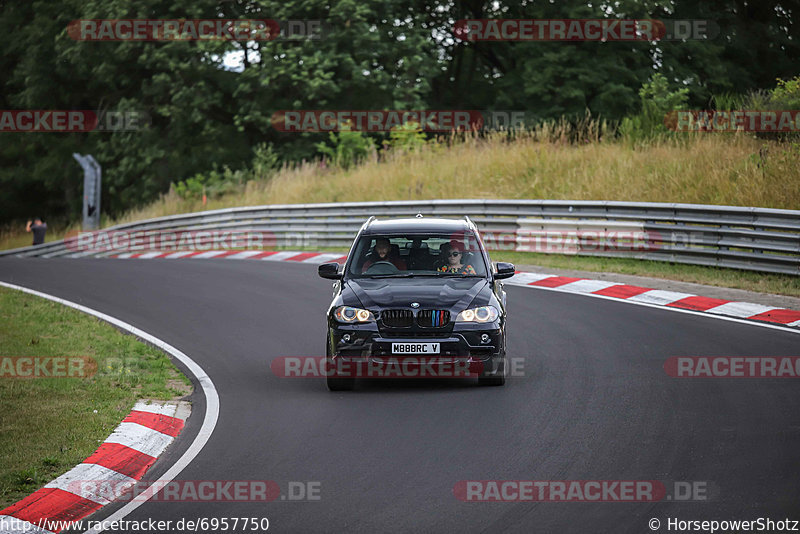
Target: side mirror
x: 504, y: 270
x: 330, y: 271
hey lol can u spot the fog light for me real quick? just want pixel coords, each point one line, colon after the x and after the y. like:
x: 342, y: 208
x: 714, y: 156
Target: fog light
x: 346, y: 338
x: 484, y: 338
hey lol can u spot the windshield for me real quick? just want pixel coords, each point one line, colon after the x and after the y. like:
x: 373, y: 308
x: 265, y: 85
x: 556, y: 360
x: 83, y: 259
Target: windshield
x: 405, y: 256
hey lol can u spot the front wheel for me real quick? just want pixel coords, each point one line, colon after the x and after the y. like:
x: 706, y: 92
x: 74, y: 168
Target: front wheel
x: 340, y: 384
x: 497, y: 379
x: 336, y: 383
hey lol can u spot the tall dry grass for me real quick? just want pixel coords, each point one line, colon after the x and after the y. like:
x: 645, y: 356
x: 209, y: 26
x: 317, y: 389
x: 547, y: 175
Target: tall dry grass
x: 725, y: 169
x: 735, y: 170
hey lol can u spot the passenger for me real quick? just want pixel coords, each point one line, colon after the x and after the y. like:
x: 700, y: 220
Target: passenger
x: 453, y: 254
x: 381, y: 252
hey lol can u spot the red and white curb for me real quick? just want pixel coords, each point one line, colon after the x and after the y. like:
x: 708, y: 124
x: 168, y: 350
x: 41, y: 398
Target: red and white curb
x: 269, y: 255
x: 659, y: 297
x: 121, y: 460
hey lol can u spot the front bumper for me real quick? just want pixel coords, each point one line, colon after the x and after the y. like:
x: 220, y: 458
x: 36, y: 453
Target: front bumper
x: 459, y: 348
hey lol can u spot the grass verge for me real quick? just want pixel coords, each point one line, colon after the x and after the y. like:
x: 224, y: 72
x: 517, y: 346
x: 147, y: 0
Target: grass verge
x: 49, y: 425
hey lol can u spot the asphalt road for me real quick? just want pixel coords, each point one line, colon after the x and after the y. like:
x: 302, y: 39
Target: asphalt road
x: 594, y: 404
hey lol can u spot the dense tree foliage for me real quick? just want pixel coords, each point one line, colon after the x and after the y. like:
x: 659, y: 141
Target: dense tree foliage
x: 375, y: 55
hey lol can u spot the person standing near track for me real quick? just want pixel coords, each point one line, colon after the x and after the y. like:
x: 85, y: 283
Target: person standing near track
x: 38, y: 228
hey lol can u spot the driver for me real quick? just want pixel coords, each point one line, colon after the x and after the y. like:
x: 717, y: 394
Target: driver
x: 453, y: 253
x: 381, y: 252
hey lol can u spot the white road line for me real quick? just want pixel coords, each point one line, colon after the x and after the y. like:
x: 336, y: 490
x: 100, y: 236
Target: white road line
x: 205, y: 382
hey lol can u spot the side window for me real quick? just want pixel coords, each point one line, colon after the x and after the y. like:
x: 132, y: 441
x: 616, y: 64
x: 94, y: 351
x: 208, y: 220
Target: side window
x: 360, y: 255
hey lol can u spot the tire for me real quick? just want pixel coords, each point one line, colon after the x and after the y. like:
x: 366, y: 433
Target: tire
x: 340, y: 384
x: 335, y: 383
x: 497, y: 379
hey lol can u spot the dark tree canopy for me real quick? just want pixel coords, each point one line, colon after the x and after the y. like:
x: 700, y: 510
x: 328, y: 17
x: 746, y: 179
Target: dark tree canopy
x: 376, y: 55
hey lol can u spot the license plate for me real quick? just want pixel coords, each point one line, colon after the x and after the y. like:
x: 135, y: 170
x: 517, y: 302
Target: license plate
x: 415, y: 348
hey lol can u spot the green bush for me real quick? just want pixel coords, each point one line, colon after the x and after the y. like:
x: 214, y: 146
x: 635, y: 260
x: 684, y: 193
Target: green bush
x: 787, y: 94
x: 784, y: 96
x: 265, y: 161
x: 657, y: 101
x: 349, y: 147
x: 406, y: 138
x: 214, y: 183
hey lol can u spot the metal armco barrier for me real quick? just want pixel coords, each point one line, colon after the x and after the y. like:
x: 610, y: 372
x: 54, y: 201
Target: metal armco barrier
x: 757, y: 239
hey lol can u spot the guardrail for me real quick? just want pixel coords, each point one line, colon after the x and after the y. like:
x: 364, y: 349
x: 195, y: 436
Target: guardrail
x: 757, y: 239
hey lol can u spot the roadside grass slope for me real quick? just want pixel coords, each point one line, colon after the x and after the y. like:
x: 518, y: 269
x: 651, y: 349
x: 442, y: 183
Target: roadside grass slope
x: 49, y: 425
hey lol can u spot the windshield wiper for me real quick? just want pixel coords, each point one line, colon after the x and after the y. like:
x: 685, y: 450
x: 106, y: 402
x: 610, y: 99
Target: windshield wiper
x: 413, y: 275
x: 449, y: 274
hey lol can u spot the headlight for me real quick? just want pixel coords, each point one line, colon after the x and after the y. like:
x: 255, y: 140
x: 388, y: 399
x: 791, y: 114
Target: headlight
x: 484, y: 314
x: 348, y: 314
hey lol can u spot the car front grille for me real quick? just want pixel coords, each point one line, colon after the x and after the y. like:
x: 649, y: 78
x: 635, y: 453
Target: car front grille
x: 397, y: 318
x: 433, y: 318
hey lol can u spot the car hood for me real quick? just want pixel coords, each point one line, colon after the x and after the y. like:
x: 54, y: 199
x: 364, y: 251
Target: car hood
x: 453, y: 294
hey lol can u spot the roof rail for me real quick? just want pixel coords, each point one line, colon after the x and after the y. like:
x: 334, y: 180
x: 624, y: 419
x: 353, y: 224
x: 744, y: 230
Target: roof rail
x: 469, y: 221
x: 368, y: 221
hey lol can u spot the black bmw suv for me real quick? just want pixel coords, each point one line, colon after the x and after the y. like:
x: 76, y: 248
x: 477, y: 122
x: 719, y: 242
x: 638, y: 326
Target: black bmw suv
x: 419, y: 294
